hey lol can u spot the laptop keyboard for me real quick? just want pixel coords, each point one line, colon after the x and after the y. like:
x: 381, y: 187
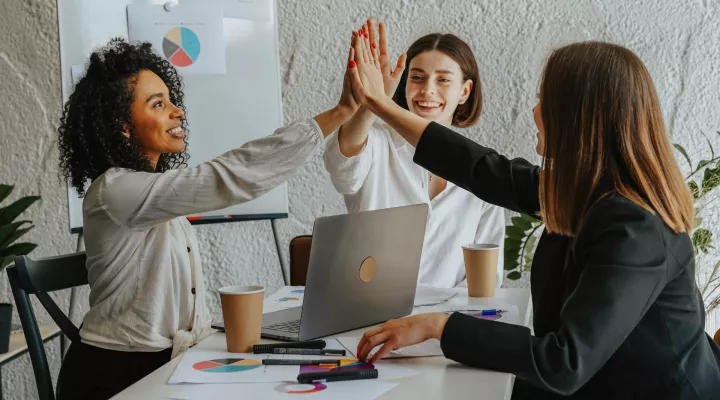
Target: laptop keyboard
x: 289, y: 326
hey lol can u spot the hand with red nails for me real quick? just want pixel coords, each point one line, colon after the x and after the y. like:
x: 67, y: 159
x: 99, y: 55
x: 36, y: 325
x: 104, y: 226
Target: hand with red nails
x: 391, y: 76
x: 367, y: 77
x: 347, y: 101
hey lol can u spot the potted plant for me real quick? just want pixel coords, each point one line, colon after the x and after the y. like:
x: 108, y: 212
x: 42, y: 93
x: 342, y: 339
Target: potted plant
x: 10, y: 232
x: 523, y: 231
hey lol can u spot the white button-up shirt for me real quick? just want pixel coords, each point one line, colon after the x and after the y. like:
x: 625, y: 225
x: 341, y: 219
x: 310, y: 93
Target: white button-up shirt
x: 146, y: 282
x: 384, y: 175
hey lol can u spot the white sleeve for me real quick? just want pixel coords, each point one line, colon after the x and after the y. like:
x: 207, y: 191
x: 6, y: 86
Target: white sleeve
x: 142, y: 199
x: 347, y: 173
x: 491, y: 229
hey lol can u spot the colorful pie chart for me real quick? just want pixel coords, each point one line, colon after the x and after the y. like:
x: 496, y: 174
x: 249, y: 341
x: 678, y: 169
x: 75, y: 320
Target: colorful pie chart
x: 295, y: 388
x: 225, y: 365
x: 181, y: 46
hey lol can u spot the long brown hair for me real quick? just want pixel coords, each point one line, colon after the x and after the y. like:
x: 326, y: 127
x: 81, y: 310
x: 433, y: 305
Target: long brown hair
x: 468, y: 113
x: 604, y: 132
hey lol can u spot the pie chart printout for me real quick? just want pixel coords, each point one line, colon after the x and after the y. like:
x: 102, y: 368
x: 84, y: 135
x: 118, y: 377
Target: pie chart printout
x: 226, y: 365
x: 181, y: 46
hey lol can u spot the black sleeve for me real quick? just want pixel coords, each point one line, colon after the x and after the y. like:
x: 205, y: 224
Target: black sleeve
x: 511, y: 184
x: 621, y: 257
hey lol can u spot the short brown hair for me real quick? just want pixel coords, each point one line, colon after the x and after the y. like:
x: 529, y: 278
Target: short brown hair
x: 468, y: 113
x: 604, y: 132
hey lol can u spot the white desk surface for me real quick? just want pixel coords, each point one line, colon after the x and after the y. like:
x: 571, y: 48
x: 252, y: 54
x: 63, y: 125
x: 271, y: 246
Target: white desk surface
x: 440, y: 378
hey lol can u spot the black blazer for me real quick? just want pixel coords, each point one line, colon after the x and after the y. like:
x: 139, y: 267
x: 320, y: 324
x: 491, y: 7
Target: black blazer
x: 617, y: 312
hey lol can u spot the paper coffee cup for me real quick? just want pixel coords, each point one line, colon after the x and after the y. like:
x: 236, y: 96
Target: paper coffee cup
x: 242, y: 316
x: 481, y: 268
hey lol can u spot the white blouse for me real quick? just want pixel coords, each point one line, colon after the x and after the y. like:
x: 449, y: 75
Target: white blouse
x: 146, y: 282
x: 384, y: 175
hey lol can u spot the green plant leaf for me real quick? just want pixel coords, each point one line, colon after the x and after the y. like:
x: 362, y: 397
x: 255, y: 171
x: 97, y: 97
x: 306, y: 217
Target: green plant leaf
x: 521, y: 223
x: 515, y: 275
x: 684, y: 153
x: 701, y: 239
x: 529, y: 218
x: 712, y: 151
x: 702, y: 164
x: 698, y: 221
x: 10, y: 232
x: 9, y: 213
x: 511, y: 243
x: 515, y: 232
x: 18, y: 249
x: 5, y: 191
x: 510, y: 264
x: 529, y: 251
x: 711, y: 179
x: 694, y: 189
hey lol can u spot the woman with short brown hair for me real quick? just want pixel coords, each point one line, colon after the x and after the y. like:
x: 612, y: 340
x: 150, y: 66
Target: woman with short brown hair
x: 617, y: 312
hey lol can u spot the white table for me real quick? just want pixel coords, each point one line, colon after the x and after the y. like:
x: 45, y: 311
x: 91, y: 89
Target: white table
x: 440, y: 378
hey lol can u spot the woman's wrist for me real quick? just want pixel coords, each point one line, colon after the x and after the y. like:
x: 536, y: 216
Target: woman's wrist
x: 378, y: 104
x: 440, y: 323
x: 332, y: 119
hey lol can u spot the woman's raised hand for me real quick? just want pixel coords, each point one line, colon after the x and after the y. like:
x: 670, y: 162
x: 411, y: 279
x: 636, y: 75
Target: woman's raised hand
x: 367, y: 77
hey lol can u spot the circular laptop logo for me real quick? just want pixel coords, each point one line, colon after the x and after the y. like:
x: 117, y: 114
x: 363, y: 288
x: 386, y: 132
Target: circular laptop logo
x: 367, y: 269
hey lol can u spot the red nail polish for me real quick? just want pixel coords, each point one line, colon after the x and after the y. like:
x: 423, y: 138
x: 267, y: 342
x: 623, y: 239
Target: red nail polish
x: 373, y: 45
x: 367, y: 36
x: 351, y: 64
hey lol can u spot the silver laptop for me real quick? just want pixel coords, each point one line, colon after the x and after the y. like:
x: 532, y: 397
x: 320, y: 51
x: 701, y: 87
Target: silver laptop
x: 363, y: 270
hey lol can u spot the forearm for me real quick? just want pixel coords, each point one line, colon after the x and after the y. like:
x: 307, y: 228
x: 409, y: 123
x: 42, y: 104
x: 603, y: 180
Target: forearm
x: 332, y: 119
x: 407, y: 124
x: 354, y: 133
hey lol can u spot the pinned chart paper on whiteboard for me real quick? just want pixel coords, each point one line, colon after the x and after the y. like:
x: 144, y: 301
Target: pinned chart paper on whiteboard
x: 189, y: 37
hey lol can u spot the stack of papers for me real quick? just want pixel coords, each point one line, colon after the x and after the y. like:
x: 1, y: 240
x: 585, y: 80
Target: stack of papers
x: 224, y: 375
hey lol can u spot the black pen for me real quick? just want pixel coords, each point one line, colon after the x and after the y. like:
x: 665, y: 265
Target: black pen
x: 309, y: 352
x: 273, y: 361
x: 268, y: 348
x: 338, y: 375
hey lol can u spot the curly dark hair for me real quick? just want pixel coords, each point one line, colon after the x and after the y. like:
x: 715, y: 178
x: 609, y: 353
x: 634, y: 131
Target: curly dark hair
x: 98, y: 112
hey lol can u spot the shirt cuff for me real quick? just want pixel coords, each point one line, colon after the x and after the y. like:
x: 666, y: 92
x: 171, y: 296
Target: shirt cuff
x: 439, y: 145
x: 485, y: 344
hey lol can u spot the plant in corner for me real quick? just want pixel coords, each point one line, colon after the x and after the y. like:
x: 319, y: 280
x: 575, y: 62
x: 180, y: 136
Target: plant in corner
x: 523, y: 231
x: 10, y: 232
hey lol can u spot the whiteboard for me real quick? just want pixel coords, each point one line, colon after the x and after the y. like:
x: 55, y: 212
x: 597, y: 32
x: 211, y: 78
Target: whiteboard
x: 246, y: 101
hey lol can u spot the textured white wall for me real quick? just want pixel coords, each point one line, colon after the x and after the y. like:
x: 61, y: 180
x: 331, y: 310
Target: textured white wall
x: 678, y: 40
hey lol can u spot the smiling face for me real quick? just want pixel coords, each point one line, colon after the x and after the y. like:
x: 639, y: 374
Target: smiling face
x: 436, y: 86
x: 157, y: 121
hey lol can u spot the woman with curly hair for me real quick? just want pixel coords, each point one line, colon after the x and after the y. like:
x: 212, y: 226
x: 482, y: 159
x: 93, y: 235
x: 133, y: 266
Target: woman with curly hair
x: 124, y: 131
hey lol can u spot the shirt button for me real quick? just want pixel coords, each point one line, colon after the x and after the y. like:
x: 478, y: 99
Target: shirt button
x: 188, y: 249
x: 192, y: 291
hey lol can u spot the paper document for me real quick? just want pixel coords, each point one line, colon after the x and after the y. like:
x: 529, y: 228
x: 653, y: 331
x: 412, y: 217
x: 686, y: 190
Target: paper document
x: 347, y: 390
x: 201, y: 366
x: 428, y: 295
x: 285, y: 297
x: 188, y: 37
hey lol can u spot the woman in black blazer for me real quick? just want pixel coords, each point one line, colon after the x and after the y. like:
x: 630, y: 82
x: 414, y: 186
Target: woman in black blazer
x: 617, y: 313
